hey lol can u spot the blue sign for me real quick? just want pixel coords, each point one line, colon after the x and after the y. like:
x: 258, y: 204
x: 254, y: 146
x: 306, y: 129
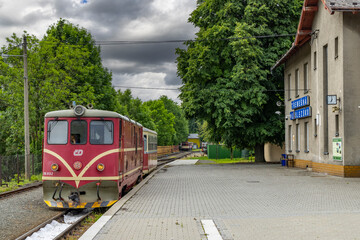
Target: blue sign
x: 300, y: 113
x: 301, y: 102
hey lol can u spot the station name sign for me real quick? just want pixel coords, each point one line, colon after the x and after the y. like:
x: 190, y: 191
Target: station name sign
x: 300, y: 113
x: 301, y: 102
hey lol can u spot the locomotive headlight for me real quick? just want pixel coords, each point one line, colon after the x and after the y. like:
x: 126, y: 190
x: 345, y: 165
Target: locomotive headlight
x: 100, y: 167
x: 54, y: 167
x: 79, y: 110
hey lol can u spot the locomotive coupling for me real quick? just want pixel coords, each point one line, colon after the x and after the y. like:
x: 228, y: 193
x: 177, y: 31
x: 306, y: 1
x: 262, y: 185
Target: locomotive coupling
x: 75, y: 198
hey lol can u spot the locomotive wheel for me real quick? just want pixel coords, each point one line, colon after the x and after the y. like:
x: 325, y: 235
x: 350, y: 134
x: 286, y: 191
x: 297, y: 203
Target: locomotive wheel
x: 139, y: 179
x: 123, y: 191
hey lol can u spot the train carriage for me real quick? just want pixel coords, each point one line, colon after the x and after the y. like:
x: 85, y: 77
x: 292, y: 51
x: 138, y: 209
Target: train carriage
x: 150, y: 150
x: 90, y: 157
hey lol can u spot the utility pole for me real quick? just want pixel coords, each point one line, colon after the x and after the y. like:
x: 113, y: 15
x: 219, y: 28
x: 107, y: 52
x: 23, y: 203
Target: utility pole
x: 26, y: 112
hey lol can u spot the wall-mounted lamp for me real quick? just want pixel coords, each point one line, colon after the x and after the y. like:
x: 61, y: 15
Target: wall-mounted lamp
x: 336, y: 109
x: 279, y: 103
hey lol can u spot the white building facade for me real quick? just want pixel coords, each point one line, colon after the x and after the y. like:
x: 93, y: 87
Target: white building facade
x: 322, y: 89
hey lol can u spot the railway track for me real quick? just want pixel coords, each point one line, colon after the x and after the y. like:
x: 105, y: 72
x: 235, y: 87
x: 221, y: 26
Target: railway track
x: 161, y: 161
x: 60, y: 217
x: 20, y: 190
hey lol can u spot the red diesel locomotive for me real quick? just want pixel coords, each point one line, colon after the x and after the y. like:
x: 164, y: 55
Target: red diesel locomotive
x: 150, y: 150
x: 91, y: 157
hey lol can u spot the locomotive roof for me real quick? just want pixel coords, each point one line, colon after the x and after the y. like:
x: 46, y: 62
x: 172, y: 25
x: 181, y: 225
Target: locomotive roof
x: 148, y: 130
x: 88, y: 113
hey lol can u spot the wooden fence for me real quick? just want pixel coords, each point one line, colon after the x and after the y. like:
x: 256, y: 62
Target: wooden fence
x: 165, y: 150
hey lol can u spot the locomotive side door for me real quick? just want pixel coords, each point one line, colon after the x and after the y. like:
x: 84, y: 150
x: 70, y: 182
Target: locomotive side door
x: 121, y: 155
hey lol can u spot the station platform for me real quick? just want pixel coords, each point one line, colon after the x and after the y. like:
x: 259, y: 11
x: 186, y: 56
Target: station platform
x: 233, y: 201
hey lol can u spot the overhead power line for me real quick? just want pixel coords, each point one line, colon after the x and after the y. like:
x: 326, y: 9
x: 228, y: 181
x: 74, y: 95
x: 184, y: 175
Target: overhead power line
x: 150, y: 88
x: 109, y: 43
x: 138, y: 42
x: 178, y: 89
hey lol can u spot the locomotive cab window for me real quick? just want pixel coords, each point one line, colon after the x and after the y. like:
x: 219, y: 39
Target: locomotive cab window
x: 78, y: 132
x: 145, y: 143
x: 101, y: 132
x: 57, y: 132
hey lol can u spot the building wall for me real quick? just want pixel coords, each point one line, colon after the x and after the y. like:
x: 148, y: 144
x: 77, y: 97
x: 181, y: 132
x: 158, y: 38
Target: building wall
x: 330, y: 27
x: 351, y: 96
x: 297, y: 62
x: 343, y: 73
x: 272, y: 153
x: 195, y: 141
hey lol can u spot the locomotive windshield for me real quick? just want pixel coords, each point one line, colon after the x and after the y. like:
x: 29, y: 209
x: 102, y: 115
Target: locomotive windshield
x: 57, y: 132
x: 78, y: 132
x: 101, y: 132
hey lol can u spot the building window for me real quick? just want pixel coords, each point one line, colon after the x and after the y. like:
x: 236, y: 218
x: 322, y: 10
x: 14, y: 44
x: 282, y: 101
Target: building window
x: 315, y: 60
x: 336, y: 125
x: 297, y: 137
x: 306, y: 78
x: 325, y: 93
x: 336, y: 47
x: 297, y: 75
x: 290, y: 138
x: 289, y: 87
x: 315, y: 127
x: 306, y: 137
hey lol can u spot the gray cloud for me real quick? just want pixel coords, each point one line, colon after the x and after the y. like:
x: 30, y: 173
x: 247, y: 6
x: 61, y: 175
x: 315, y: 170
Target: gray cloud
x: 110, y: 20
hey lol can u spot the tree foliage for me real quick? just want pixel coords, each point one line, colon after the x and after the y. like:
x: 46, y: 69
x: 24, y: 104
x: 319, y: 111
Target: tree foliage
x: 164, y: 122
x: 134, y: 109
x: 64, y: 66
x: 228, y: 83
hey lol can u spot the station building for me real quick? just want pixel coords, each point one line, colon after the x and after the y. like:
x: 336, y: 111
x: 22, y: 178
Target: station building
x: 195, y: 139
x: 322, y: 88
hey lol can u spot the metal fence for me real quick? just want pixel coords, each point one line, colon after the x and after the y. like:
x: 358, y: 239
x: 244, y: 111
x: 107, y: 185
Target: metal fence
x: 14, y: 166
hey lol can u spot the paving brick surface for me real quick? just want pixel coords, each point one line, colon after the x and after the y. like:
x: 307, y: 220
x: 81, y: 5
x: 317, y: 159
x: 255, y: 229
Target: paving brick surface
x: 245, y: 201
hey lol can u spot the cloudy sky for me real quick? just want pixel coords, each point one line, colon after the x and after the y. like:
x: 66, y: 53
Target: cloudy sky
x: 133, y: 65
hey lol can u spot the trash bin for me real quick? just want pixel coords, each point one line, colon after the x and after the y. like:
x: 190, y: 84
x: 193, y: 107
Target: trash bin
x: 283, y: 160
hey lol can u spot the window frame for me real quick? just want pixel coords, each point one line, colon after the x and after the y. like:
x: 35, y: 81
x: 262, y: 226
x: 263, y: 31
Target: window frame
x: 298, y: 139
x: 336, y: 50
x: 289, y: 87
x: 307, y: 139
x: 112, y: 122
x: 306, y: 78
x: 67, y: 132
x: 290, y: 138
x: 297, y: 82
x: 87, y: 129
x: 337, y: 125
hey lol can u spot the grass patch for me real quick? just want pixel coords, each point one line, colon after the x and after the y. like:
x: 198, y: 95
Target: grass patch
x: 196, y: 150
x: 224, y: 161
x: 13, y: 184
x: 200, y: 158
x: 85, y: 224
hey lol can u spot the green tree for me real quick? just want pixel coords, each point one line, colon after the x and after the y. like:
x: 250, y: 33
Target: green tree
x: 228, y: 84
x: 64, y: 66
x: 134, y: 109
x: 164, y: 122
x: 181, y: 125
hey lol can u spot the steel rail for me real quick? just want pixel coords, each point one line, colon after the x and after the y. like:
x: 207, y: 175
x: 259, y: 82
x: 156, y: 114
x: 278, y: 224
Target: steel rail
x: 37, y: 228
x: 162, y: 159
x: 19, y: 190
x: 72, y: 226
x: 78, y: 222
